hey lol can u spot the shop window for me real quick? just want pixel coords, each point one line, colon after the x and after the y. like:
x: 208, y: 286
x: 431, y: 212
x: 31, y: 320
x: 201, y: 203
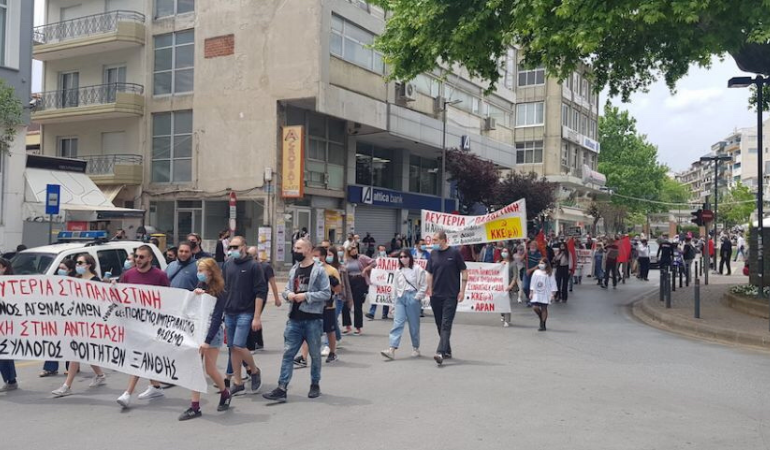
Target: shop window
x: 530, y: 152
x: 376, y: 165
x: 424, y: 175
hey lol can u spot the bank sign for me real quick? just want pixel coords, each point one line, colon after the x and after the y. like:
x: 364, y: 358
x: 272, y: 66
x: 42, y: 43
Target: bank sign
x: 369, y: 195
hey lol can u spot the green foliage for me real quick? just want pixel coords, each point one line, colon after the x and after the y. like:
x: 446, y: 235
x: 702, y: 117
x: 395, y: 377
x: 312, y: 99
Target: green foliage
x: 628, y: 43
x: 539, y: 193
x: 731, y: 211
x: 630, y: 163
x: 10, y: 115
x: 673, y: 191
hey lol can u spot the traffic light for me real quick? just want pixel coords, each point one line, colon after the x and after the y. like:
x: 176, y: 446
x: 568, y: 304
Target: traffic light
x: 697, y: 217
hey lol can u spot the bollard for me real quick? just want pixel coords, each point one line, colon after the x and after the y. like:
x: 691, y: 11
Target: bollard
x: 668, y: 290
x: 696, y: 313
x: 681, y: 276
x: 672, y: 278
x: 662, y: 284
x: 696, y: 269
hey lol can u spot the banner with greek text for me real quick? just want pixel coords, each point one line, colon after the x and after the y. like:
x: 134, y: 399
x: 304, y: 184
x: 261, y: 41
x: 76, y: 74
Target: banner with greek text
x: 585, y: 262
x: 484, y: 291
x: 148, y: 331
x: 504, y: 224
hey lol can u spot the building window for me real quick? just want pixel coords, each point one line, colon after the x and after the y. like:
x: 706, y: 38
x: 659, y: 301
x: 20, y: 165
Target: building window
x: 427, y: 85
x: 565, y: 156
x: 424, y: 175
x: 68, y: 147
x: 325, y: 155
x: 530, y: 152
x: 565, y: 115
x: 174, y: 63
x: 592, y: 131
x: 509, y: 68
x: 501, y: 116
x: 172, y: 147
x: 584, y: 88
x: 375, y: 166
x: 529, y: 114
x: 165, y: 8
x: 584, y: 125
x: 531, y: 77
x: 575, y: 119
x: 352, y: 43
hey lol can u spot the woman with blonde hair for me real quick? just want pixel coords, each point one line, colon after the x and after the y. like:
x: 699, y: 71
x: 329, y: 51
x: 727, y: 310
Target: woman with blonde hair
x: 210, y: 281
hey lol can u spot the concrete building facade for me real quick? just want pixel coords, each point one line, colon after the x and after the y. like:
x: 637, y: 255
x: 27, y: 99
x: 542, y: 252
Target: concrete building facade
x: 178, y: 103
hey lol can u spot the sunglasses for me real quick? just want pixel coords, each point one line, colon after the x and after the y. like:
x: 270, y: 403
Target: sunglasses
x: 141, y: 257
x: 81, y: 263
x: 233, y: 247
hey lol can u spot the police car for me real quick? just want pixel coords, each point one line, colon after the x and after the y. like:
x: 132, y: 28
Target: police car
x: 109, y: 255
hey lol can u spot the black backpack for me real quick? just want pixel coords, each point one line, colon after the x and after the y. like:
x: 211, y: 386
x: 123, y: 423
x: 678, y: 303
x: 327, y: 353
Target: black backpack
x: 689, y: 251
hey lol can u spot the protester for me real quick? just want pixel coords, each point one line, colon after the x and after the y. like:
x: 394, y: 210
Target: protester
x: 308, y: 290
x: 170, y: 255
x: 222, y: 243
x: 599, y: 263
x: 688, y: 254
x: 562, y: 263
x: 725, y: 255
x: 210, y: 281
x: 356, y: 268
x: 195, y: 245
x: 420, y: 251
x: 611, y: 264
x: 7, y: 366
x: 381, y: 253
x: 519, y: 260
x: 66, y: 269
x: 183, y: 273
x: 245, y: 291
x: 513, y: 281
x: 741, y: 245
x: 533, y: 258
x: 542, y: 289
x: 143, y: 273
x: 332, y: 258
x: 411, y: 284
x: 447, y: 276
x: 369, y: 243
x: 643, y: 257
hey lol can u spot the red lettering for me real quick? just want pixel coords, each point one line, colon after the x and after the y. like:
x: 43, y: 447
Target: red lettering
x: 6, y: 328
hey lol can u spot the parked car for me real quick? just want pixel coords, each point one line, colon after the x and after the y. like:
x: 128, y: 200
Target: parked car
x: 654, y: 246
x: 109, y: 257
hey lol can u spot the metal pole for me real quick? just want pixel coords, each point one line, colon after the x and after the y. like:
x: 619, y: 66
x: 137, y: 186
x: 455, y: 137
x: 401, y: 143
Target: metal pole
x: 696, y: 313
x: 443, y: 158
x: 696, y: 269
x: 668, y: 290
x: 760, y: 82
x: 716, y: 206
x: 662, y: 284
x: 673, y: 277
x: 50, y: 228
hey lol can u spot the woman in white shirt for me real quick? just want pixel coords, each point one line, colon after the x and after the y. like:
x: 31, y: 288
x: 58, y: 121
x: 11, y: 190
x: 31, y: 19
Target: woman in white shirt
x: 411, y: 285
x: 542, y: 289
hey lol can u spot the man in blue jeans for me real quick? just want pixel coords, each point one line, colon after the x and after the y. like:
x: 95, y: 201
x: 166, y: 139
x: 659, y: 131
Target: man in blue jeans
x: 307, y: 291
x: 246, y: 290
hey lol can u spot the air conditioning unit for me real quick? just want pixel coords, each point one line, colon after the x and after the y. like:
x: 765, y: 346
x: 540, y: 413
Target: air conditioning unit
x: 438, y: 104
x: 490, y: 123
x: 407, y: 92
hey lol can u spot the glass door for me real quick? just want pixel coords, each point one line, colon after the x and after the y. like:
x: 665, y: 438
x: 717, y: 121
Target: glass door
x: 69, y: 83
x: 114, y: 79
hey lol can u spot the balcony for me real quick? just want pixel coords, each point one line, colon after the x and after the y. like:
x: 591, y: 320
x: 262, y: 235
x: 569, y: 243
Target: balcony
x: 106, y: 32
x: 103, y: 101
x: 114, y: 169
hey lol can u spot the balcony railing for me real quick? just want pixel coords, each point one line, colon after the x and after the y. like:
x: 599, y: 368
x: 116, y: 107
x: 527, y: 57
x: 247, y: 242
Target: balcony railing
x: 105, y: 164
x: 84, y: 26
x: 85, y: 96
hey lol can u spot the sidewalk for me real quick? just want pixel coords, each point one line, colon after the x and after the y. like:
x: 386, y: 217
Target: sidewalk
x: 718, y: 322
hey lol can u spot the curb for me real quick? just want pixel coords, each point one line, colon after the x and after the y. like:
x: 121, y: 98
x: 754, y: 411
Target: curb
x: 746, y: 305
x: 694, y: 328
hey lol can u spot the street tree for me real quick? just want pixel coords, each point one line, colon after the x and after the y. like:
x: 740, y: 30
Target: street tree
x: 10, y: 115
x: 539, y: 193
x: 628, y: 44
x: 475, y: 178
x: 673, y: 192
x: 736, y: 206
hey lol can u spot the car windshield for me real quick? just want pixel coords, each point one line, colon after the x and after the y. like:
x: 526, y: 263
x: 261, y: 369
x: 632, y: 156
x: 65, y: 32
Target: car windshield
x: 31, y: 263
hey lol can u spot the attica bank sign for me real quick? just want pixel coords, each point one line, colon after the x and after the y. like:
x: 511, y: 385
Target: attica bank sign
x: 369, y: 195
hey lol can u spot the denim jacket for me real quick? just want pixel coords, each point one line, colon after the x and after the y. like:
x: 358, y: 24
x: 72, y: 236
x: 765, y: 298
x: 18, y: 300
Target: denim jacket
x: 319, y: 290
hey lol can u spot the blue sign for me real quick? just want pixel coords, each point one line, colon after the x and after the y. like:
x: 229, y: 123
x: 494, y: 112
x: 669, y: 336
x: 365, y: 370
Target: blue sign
x: 369, y: 195
x: 52, y: 192
x: 81, y: 235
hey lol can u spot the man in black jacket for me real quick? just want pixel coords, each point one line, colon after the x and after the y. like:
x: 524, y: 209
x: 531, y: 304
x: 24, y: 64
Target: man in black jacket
x: 246, y: 290
x: 725, y: 254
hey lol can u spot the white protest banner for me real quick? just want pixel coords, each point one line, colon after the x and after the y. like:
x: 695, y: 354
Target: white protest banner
x: 148, y: 331
x: 585, y: 261
x: 504, y: 224
x: 484, y: 292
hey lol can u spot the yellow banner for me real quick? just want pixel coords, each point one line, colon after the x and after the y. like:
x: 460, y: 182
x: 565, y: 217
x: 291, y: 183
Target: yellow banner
x: 293, y: 167
x: 504, y: 229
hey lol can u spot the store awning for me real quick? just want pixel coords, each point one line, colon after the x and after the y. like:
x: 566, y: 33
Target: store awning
x: 111, y: 191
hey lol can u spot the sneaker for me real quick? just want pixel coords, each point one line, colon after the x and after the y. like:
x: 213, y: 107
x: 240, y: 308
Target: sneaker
x: 238, y: 389
x: 151, y: 392
x: 224, y: 401
x: 315, y: 391
x: 7, y: 387
x: 326, y: 350
x: 439, y: 358
x: 447, y: 356
x: 415, y: 353
x: 519, y: 300
x: 256, y: 381
x: 389, y: 353
x: 125, y: 400
x: 506, y: 324
x: 98, y: 380
x: 357, y: 333
x: 190, y: 414
x: 62, y: 391
x: 300, y: 362
x: 369, y: 316
x: 277, y: 395
x: 331, y: 358
x: 346, y: 332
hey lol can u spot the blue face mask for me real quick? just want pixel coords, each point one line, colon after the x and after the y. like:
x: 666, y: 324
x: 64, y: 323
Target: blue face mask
x: 383, y: 254
x: 329, y: 259
x: 127, y: 264
x: 341, y: 255
x: 62, y: 272
x: 424, y: 248
x: 317, y: 260
x: 436, y: 247
x: 81, y: 270
x: 202, y: 277
x: 234, y: 254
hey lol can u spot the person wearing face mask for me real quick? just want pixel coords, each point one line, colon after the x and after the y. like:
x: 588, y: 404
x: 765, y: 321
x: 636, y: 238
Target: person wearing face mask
x: 195, y: 244
x: 381, y: 253
x: 519, y: 258
x: 66, y: 269
x: 532, y: 260
x: 309, y: 292
x: 411, y: 285
x: 170, y: 255
x: 447, y: 277
x: 333, y: 259
x: 542, y: 290
x: 7, y: 366
x: 420, y: 250
x: 85, y: 267
x: 347, y: 293
x: 513, y: 278
x: 562, y: 261
x: 355, y: 271
x: 183, y: 273
x: 222, y: 243
x: 210, y: 281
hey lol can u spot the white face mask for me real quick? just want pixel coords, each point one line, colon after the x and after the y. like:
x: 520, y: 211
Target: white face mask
x: 541, y: 266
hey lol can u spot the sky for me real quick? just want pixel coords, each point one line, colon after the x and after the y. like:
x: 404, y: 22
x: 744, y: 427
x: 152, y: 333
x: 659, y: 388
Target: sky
x: 683, y: 125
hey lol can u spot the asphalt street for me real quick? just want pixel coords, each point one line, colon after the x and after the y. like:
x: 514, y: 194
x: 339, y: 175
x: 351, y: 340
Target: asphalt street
x: 597, y: 379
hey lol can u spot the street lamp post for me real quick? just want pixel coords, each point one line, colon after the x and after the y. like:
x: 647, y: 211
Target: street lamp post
x: 759, y: 81
x: 444, y: 104
x: 716, y: 160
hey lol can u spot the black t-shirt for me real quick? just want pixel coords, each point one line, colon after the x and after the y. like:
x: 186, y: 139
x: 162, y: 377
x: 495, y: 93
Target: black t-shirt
x: 666, y: 252
x: 301, y: 285
x: 268, y: 270
x: 445, y: 267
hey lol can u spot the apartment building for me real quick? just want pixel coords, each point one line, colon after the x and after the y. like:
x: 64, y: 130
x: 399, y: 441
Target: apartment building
x: 741, y: 145
x: 176, y: 104
x: 16, y: 18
